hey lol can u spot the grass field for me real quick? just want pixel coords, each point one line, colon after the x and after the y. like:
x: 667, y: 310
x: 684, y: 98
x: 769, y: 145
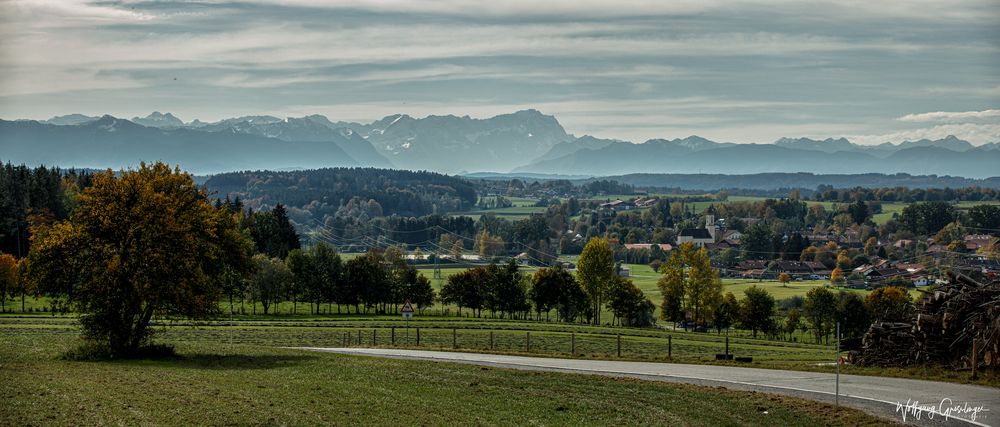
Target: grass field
x: 496, y: 336
x: 523, y: 206
x: 213, y: 382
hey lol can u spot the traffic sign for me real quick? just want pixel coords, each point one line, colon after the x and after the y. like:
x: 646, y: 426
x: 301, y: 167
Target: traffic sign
x: 407, y: 307
x: 407, y: 315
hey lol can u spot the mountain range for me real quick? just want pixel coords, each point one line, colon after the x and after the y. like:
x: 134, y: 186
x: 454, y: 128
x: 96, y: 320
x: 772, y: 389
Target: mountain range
x: 526, y: 142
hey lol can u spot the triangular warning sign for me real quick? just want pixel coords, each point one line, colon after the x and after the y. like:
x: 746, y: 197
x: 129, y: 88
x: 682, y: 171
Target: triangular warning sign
x: 407, y: 307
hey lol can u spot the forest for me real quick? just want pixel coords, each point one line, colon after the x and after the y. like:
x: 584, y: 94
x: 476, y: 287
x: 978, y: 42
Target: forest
x: 347, y: 192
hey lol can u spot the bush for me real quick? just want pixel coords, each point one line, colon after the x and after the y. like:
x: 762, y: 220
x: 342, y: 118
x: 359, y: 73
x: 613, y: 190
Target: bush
x: 90, y: 350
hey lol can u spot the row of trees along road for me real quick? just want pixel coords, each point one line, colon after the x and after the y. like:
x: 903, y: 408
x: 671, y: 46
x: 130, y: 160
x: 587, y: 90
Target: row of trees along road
x: 505, y: 292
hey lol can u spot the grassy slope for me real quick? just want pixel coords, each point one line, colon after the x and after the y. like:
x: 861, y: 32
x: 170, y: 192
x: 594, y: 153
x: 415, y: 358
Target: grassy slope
x: 216, y: 383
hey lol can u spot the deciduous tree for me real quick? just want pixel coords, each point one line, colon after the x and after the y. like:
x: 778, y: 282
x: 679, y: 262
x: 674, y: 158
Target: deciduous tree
x: 889, y: 304
x: 8, y: 278
x: 784, y: 278
x: 145, y: 242
x: 821, y: 310
x: 270, y: 281
x: 595, y: 271
x: 756, y: 309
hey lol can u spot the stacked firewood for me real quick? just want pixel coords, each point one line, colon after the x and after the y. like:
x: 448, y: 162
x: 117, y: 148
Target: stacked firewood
x: 950, y: 321
x: 886, y: 344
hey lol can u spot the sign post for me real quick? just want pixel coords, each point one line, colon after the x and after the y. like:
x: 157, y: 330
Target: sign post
x: 407, y: 311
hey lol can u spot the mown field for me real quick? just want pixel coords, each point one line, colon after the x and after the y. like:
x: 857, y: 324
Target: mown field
x: 495, y: 336
x: 213, y: 382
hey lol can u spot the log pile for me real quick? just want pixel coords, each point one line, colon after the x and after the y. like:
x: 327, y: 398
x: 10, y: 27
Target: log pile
x: 949, y: 322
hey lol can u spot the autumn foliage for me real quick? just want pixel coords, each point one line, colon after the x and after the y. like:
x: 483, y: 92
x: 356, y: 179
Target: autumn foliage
x: 141, y: 243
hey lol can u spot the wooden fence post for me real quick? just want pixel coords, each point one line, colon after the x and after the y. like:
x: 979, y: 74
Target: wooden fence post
x: 670, y: 347
x: 454, y: 338
x: 572, y: 343
x: 975, y: 363
x: 619, y: 345
x: 393, y: 336
x: 491, y: 340
x: 374, y: 339
x: 418, y: 337
x: 527, y: 342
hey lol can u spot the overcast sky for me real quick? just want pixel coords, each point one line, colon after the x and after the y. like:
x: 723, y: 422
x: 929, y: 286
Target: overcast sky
x: 630, y: 69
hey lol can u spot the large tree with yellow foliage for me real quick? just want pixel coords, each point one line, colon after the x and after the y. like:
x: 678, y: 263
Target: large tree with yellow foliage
x: 690, y: 282
x: 144, y: 242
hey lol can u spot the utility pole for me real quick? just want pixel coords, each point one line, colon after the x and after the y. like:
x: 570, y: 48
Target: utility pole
x: 838, y: 366
x: 437, y: 267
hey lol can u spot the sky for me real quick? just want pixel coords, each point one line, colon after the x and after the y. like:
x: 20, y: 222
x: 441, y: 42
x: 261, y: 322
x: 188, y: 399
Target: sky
x: 736, y: 71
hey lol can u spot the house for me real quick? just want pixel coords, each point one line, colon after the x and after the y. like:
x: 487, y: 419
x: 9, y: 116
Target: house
x: 919, y: 281
x: 625, y: 271
x: 567, y: 265
x: 752, y: 264
x: 618, y: 205
x: 981, y: 264
x: 645, y: 202
x: 665, y: 247
x: 818, y: 268
x: 752, y: 268
x: 883, y: 274
x: 863, y: 269
x: 911, y: 268
x: 937, y: 251
x: 757, y: 273
x: 732, y: 236
x: 698, y: 236
x: 793, y: 268
x: 725, y: 244
x: 974, y: 242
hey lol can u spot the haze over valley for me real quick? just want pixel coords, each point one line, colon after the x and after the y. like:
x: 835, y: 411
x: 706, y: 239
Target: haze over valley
x: 521, y: 142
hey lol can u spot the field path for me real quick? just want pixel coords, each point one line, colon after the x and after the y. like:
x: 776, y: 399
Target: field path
x: 876, y: 395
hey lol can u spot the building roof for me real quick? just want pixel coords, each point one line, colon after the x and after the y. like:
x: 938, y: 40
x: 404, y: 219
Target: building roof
x: 665, y: 247
x: 793, y: 267
x: 696, y: 233
x: 816, y: 266
x: 887, y: 272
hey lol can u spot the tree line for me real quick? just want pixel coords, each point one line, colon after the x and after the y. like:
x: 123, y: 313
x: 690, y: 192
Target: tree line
x: 503, y: 291
x: 352, y: 192
x: 375, y: 282
x: 32, y: 196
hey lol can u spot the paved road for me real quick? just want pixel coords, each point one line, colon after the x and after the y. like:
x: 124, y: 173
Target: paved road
x: 876, y: 395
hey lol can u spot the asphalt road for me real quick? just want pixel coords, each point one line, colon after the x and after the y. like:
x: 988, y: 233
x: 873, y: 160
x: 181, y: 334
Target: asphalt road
x: 922, y: 402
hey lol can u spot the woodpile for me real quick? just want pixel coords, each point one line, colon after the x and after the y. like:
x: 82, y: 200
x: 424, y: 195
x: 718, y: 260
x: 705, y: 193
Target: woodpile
x: 950, y: 321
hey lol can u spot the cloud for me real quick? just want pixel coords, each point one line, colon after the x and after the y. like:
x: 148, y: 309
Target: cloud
x: 975, y: 133
x: 951, y: 117
x: 748, y: 70
x: 601, y: 9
